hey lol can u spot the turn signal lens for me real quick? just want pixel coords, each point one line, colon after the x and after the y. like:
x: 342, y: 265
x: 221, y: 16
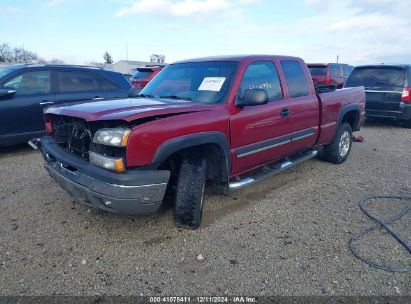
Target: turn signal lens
x: 106, y: 162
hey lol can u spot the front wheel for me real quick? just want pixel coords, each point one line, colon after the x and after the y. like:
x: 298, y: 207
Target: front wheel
x: 190, y: 192
x: 337, y: 152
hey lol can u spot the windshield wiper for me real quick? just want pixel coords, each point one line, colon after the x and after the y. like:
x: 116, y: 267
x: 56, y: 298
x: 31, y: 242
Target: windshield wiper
x: 176, y: 97
x: 145, y: 95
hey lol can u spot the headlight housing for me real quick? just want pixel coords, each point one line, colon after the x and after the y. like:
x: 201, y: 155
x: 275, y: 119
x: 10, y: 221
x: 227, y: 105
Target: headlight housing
x: 117, y: 137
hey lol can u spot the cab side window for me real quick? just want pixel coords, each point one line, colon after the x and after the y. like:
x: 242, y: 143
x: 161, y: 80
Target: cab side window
x: 262, y: 75
x: 295, y: 78
x: 30, y: 83
x: 76, y: 81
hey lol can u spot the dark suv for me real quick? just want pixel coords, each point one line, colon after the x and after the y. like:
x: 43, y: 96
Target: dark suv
x: 387, y: 89
x: 25, y: 90
x: 329, y: 74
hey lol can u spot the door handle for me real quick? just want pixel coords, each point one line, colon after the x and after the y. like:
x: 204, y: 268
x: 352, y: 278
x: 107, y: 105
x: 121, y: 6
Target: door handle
x: 45, y: 102
x: 285, y: 112
x: 98, y: 98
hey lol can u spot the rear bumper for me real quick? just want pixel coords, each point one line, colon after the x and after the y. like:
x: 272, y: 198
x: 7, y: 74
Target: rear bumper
x: 134, y: 192
x: 402, y: 113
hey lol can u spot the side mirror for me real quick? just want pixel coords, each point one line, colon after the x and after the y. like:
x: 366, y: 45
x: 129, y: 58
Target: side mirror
x: 6, y: 92
x: 253, y: 97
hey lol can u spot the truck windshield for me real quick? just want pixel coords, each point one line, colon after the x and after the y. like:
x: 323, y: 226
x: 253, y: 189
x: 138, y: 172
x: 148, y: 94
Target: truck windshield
x: 318, y: 71
x: 207, y: 82
x: 384, y: 78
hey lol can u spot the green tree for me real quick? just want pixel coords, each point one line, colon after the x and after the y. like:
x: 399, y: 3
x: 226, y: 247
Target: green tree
x: 107, y: 58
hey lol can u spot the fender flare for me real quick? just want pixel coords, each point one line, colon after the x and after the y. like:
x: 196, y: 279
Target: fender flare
x: 348, y: 108
x: 174, y: 145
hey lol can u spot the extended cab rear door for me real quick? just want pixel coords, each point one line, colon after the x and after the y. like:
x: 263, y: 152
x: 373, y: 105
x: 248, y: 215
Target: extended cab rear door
x: 261, y: 133
x: 302, y: 105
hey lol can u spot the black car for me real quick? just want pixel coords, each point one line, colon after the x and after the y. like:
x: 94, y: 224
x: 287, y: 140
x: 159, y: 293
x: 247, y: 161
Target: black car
x: 387, y: 89
x: 25, y: 90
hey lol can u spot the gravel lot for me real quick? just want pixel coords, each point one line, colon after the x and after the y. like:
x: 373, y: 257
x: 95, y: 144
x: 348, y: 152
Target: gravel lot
x: 285, y: 236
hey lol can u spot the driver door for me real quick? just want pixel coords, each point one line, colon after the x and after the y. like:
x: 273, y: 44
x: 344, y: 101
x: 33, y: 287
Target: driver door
x: 260, y: 134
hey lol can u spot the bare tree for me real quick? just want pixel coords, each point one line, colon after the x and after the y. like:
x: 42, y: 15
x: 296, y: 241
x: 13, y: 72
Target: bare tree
x: 5, y: 52
x: 17, y: 55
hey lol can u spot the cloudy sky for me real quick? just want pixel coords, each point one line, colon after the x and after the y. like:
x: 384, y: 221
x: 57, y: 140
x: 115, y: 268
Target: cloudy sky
x: 359, y: 31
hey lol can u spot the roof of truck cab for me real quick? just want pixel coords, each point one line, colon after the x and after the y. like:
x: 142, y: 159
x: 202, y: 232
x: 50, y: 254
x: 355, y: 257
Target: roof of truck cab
x: 238, y: 58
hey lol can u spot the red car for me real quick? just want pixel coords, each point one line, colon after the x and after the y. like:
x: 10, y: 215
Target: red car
x: 329, y: 74
x: 144, y: 75
x: 227, y: 121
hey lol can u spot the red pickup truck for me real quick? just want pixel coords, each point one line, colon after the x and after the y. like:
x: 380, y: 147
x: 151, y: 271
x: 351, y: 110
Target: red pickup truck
x: 224, y: 121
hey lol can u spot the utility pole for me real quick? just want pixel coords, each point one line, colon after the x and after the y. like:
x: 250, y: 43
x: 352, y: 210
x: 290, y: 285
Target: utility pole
x: 338, y: 57
x: 127, y: 51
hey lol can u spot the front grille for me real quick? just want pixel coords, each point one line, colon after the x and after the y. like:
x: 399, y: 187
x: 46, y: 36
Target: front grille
x: 76, y: 136
x: 73, y: 134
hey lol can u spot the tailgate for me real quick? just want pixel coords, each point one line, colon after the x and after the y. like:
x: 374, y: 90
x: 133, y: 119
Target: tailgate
x: 382, y: 100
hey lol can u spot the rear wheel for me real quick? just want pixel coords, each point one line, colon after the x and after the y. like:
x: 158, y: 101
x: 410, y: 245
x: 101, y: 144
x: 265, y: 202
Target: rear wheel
x: 337, y: 152
x: 190, y: 192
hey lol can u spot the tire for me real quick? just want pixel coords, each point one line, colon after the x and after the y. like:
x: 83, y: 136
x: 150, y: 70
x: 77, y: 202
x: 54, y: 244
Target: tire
x: 337, y: 152
x: 190, y: 187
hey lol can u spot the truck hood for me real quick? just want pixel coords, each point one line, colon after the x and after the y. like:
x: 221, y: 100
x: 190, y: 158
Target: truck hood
x: 127, y: 109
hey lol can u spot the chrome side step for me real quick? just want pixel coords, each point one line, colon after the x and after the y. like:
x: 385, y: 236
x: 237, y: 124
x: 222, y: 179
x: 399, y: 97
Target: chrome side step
x: 270, y: 170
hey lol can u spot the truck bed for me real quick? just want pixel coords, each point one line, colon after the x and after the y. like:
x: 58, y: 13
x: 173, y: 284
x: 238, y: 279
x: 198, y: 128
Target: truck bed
x: 331, y: 103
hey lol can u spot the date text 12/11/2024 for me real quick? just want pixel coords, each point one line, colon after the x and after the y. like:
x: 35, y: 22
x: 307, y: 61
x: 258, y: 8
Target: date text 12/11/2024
x: 239, y: 299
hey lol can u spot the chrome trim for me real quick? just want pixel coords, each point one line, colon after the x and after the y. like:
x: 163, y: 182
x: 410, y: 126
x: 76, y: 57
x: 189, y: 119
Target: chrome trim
x: 302, y: 136
x: 374, y: 91
x: 286, y: 164
x: 312, y: 132
x: 241, y: 183
x: 107, y: 189
x: 263, y: 149
x: 269, y: 171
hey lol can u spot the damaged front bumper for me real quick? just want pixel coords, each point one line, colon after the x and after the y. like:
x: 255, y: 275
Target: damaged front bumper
x: 134, y: 192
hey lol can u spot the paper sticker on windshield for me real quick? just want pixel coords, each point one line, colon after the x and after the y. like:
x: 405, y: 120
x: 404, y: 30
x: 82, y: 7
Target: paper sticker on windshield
x: 212, y: 84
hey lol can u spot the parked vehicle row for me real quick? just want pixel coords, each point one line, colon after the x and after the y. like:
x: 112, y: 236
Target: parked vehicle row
x: 387, y: 86
x: 228, y: 121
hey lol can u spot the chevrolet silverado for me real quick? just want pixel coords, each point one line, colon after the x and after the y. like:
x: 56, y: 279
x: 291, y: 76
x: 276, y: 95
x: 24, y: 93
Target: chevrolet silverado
x: 224, y: 122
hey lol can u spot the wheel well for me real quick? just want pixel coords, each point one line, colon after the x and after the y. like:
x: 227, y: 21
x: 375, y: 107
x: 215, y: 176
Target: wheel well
x: 351, y: 117
x: 217, y: 163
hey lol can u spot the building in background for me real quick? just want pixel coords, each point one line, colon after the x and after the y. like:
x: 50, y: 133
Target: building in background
x: 155, y: 58
x: 129, y: 67
x: 126, y: 66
